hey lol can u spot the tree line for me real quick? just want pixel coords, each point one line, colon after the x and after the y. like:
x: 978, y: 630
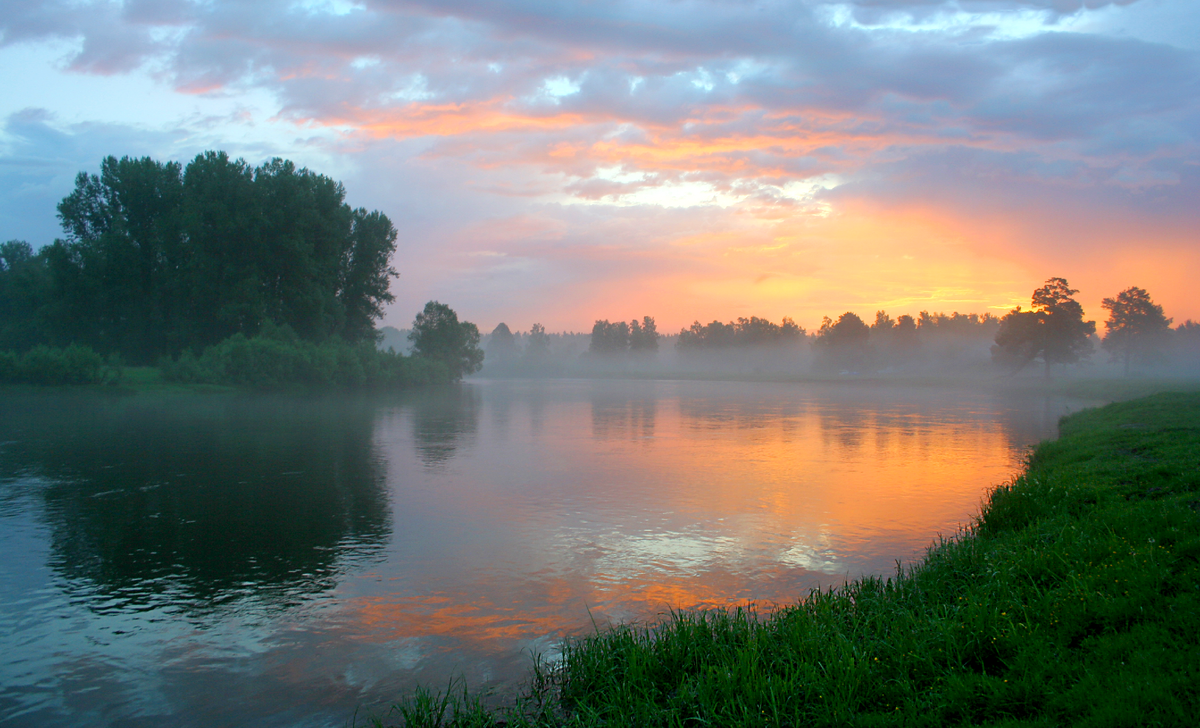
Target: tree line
x: 161, y: 261
x: 743, y: 332
x: 1051, y: 332
x: 620, y: 337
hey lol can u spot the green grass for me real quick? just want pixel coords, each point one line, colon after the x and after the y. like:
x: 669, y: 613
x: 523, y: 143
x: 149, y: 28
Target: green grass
x: 1115, y: 390
x: 1073, y: 599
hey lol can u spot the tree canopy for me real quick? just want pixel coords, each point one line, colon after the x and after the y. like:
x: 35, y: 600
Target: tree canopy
x: 23, y: 290
x: 1135, y: 324
x: 753, y: 331
x: 620, y: 337
x: 438, y: 334
x: 157, y: 258
x: 1053, y: 329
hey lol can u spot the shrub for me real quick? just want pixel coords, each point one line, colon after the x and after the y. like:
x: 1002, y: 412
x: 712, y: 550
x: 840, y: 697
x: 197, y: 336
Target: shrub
x: 278, y: 359
x: 45, y: 365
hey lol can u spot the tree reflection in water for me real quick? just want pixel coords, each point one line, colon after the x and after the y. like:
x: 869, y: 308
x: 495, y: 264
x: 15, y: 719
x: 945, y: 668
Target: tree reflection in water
x: 444, y: 418
x: 200, y: 500
x: 625, y: 415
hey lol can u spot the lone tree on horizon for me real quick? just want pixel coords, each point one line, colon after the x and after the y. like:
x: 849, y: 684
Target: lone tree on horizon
x: 1053, y: 329
x: 1135, y: 323
x: 438, y: 334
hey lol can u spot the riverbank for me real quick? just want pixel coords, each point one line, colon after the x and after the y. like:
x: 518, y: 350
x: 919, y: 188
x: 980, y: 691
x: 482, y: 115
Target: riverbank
x: 1073, y: 598
x: 275, y: 360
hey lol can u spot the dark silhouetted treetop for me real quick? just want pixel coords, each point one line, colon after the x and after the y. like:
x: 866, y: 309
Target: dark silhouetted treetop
x: 1135, y: 324
x: 1054, y: 330
x: 158, y: 258
x: 848, y: 330
x: 843, y: 345
x: 883, y: 323
x: 438, y: 334
x: 643, y: 336
x: 896, y: 338
x: 537, y: 345
x: 502, y: 346
x: 753, y: 331
x: 609, y: 338
x: 958, y: 323
x: 1185, y: 342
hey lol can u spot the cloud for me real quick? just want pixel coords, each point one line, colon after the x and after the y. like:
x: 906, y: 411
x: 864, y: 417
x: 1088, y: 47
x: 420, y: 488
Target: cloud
x: 39, y: 161
x: 713, y: 152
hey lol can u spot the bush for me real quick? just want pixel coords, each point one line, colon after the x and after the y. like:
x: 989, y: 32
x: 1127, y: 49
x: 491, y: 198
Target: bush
x: 278, y: 359
x: 45, y: 365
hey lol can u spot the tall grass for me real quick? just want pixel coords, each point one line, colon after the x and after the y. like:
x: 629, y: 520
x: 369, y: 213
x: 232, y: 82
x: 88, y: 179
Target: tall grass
x: 1073, y: 599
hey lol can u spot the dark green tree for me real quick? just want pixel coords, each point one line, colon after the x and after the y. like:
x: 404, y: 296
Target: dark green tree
x: 158, y: 258
x: 438, y: 334
x: 366, y: 273
x: 118, y: 272
x: 1135, y: 324
x: 224, y: 290
x: 1053, y: 330
x: 24, y: 296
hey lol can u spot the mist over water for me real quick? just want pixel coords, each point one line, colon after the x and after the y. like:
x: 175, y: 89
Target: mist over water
x: 271, y: 560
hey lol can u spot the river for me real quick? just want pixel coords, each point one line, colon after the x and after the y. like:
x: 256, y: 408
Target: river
x: 211, y: 560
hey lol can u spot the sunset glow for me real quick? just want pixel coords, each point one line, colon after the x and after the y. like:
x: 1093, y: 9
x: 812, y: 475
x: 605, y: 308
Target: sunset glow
x: 690, y: 161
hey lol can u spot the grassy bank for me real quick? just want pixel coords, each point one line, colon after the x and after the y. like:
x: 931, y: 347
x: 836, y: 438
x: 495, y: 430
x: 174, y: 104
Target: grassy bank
x: 1073, y: 599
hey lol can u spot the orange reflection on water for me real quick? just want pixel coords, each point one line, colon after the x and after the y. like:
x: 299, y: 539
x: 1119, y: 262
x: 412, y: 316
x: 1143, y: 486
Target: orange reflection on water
x: 571, y: 504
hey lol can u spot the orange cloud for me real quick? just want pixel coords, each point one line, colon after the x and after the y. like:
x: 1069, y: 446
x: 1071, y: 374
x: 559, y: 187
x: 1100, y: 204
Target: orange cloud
x: 420, y: 119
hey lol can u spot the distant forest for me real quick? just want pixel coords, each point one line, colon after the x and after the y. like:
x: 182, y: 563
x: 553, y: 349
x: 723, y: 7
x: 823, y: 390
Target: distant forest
x: 1051, y: 332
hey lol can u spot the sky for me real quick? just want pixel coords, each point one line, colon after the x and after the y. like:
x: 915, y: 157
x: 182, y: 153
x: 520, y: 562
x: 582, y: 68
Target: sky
x: 560, y: 162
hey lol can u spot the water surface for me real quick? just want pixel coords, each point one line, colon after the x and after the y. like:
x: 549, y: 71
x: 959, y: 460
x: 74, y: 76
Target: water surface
x: 278, y: 561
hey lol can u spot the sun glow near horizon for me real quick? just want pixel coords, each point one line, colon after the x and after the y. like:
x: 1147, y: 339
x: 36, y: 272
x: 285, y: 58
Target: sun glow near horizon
x: 692, y: 161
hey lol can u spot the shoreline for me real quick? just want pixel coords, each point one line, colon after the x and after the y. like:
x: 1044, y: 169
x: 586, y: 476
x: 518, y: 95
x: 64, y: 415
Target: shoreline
x: 136, y: 380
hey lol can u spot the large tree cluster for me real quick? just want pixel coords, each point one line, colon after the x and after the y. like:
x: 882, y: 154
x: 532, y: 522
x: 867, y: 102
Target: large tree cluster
x: 158, y: 258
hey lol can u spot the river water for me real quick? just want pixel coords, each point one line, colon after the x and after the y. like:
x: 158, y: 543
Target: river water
x: 212, y: 560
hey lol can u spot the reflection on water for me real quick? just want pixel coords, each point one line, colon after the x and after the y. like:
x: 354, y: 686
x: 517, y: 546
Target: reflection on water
x: 207, y: 501
x: 281, y: 561
x: 619, y: 416
x: 443, y: 419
